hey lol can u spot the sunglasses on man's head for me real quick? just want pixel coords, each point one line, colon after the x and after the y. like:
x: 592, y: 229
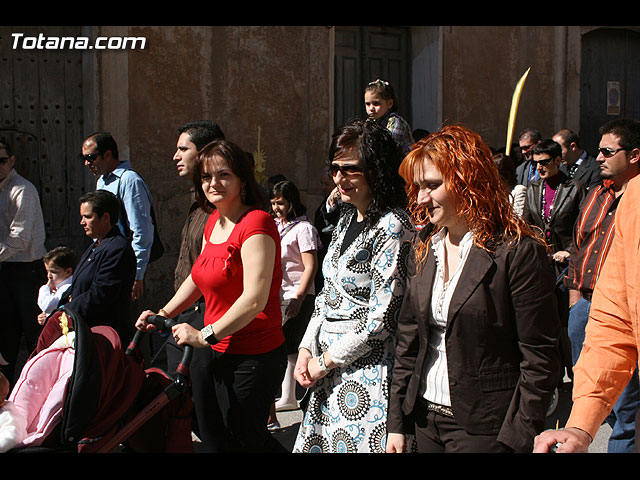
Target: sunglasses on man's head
x: 609, y: 152
x: 346, y: 170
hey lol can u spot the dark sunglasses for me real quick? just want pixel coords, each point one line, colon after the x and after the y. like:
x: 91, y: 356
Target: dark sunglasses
x: 4, y: 160
x: 346, y: 170
x: 543, y: 162
x: 89, y: 158
x: 609, y: 152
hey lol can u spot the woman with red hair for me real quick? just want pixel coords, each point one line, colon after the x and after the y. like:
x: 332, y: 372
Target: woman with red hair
x: 477, y: 345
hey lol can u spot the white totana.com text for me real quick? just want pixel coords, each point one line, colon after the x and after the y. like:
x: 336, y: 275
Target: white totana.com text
x: 42, y: 42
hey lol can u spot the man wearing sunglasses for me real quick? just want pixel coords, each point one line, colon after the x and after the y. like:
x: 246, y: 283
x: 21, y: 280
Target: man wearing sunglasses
x: 609, y: 354
x: 22, y: 236
x: 593, y: 236
x: 553, y: 201
x: 576, y: 162
x: 100, y: 155
x: 526, y: 172
x: 552, y: 204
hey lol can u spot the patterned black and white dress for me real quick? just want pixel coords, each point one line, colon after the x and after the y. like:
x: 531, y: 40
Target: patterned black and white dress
x: 355, y: 320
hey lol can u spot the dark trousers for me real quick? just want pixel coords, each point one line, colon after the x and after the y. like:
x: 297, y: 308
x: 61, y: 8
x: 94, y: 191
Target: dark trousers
x: 208, y: 423
x: 437, y: 433
x: 245, y: 388
x: 19, y: 285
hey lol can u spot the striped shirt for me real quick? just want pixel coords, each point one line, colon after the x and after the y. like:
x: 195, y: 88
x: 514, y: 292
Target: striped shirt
x: 592, y: 238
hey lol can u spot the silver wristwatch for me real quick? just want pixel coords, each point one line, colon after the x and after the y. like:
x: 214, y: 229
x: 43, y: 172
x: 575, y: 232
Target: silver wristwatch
x: 208, y: 336
x: 321, y: 364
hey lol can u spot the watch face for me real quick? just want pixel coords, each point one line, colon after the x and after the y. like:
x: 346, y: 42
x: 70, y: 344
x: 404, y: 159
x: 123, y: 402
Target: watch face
x: 206, y: 332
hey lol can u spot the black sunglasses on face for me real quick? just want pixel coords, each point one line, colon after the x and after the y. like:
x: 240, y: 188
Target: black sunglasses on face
x: 543, y: 162
x: 3, y: 160
x: 346, y: 170
x: 609, y: 152
x: 89, y: 158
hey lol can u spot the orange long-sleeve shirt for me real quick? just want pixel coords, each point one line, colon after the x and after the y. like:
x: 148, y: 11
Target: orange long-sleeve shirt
x: 610, y: 351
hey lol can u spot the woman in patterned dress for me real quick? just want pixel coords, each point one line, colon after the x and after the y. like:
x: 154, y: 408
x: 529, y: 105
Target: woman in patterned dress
x: 346, y: 355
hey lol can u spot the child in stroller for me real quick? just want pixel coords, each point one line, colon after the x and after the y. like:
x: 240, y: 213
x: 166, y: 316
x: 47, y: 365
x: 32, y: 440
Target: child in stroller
x: 79, y: 390
x: 12, y: 424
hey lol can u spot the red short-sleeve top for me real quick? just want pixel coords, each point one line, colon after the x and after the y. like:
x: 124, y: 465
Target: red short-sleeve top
x: 218, y: 273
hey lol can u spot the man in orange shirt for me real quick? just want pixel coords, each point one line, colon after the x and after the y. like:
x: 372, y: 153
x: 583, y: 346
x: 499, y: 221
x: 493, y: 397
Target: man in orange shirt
x: 610, y: 351
x: 592, y: 239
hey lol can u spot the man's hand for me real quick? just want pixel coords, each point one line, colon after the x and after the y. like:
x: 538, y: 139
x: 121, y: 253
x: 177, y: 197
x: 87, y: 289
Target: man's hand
x: 571, y: 440
x: 137, y: 290
x: 562, y: 256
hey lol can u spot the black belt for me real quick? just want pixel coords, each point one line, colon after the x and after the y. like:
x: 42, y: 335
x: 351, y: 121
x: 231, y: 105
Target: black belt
x: 586, y: 295
x: 436, y: 408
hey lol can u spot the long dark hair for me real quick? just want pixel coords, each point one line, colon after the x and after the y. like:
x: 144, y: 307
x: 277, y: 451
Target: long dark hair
x: 240, y: 165
x: 288, y: 190
x: 381, y: 157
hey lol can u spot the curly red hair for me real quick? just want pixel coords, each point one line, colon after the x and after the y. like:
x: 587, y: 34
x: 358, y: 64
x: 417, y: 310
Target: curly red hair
x: 471, y: 178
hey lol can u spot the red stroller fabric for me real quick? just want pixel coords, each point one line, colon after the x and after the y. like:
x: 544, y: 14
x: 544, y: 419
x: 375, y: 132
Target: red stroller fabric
x: 108, y: 387
x: 104, y: 384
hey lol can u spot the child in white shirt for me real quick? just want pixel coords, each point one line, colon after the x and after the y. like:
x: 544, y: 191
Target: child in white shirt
x: 59, y: 264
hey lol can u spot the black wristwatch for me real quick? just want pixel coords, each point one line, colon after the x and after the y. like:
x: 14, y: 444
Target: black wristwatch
x: 208, y: 336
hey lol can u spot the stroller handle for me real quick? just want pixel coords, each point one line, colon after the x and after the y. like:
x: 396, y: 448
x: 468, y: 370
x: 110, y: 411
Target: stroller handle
x: 164, y: 324
x: 161, y: 323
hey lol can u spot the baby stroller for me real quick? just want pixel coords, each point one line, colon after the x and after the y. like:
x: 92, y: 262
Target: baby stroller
x: 105, y: 401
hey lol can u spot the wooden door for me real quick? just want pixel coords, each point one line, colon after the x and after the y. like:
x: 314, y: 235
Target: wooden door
x: 609, y: 81
x: 364, y: 54
x: 41, y: 117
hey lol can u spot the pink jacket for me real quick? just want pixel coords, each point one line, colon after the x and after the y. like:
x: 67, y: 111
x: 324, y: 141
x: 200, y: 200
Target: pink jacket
x: 38, y: 394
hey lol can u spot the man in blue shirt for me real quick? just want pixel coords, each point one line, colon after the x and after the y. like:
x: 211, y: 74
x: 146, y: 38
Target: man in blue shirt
x: 100, y: 155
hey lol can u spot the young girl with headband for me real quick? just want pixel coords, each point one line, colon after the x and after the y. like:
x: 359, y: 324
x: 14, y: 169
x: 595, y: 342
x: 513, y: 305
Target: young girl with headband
x: 381, y: 105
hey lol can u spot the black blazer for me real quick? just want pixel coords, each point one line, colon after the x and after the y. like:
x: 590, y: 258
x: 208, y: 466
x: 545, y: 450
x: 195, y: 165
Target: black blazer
x: 501, y: 341
x: 587, y: 173
x: 522, y: 172
x: 101, y: 289
x: 566, y: 207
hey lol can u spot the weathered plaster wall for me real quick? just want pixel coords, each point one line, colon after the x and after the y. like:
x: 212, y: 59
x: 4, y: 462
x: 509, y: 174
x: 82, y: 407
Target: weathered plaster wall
x: 482, y: 66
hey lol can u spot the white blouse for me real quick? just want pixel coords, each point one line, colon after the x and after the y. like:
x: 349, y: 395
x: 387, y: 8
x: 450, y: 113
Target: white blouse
x: 48, y: 300
x: 437, y: 376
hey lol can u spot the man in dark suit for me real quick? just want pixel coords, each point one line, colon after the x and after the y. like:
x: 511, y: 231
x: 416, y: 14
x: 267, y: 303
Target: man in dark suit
x: 526, y: 172
x: 102, y: 281
x: 576, y: 162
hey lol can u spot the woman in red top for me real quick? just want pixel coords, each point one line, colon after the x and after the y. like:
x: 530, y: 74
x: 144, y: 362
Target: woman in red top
x: 239, y: 274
